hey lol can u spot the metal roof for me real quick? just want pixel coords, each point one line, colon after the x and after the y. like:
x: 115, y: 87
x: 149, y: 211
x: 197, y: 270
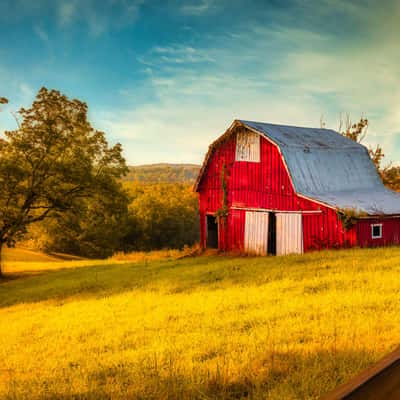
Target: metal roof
x: 294, y: 136
x: 326, y: 166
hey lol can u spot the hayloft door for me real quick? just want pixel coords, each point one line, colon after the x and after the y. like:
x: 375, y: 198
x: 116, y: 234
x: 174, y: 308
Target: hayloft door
x: 289, y: 233
x: 256, y: 232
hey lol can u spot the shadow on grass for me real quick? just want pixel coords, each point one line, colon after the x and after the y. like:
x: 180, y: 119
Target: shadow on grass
x: 29, y: 287
x: 184, y: 275
x: 291, y: 375
x: 167, y: 276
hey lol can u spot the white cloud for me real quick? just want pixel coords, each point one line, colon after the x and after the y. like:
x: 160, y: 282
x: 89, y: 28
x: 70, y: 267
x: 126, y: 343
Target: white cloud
x: 197, y: 7
x: 66, y: 12
x: 176, y: 54
x: 99, y: 18
x: 26, y: 92
x: 277, y: 74
x: 41, y: 33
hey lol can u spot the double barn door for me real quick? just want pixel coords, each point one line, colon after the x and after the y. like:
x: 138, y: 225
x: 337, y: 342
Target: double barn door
x: 281, y: 232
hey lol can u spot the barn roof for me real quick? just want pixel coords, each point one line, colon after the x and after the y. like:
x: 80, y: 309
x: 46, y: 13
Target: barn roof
x: 326, y: 166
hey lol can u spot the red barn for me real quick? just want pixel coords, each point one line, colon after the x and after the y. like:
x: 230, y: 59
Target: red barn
x: 274, y: 189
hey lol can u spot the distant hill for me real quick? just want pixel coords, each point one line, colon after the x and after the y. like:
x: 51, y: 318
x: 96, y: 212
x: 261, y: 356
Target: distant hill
x: 157, y: 173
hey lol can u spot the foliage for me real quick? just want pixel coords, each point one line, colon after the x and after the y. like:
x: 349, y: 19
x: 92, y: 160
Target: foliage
x: 206, y: 327
x: 349, y: 216
x: 163, y: 173
x: 223, y: 211
x: 96, y: 229
x: 53, y: 163
x: 390, y: 175
x: 163, y: 215
x: 355, y: 132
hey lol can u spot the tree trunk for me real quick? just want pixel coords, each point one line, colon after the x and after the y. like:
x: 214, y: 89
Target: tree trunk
x: 1, y: 259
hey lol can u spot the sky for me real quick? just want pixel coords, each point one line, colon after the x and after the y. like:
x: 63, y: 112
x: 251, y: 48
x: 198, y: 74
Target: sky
x: 166, y: 77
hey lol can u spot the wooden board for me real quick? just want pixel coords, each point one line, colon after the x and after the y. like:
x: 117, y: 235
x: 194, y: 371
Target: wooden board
x: 256, y: 233
x: 247, y: 147
x: 289, y: 234
x: 381, y: 381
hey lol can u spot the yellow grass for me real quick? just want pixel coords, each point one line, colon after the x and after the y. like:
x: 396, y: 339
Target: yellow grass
x: 206, y: 327
x: 25, y: 255
x: 22, y: 261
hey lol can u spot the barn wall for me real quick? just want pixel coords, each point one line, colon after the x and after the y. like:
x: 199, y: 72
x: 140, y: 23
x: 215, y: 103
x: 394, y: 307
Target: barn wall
x: 325, y: 230
x: 264, y: 185
x: 390, y: 232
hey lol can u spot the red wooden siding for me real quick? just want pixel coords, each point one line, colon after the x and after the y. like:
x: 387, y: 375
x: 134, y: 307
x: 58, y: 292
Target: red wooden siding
x: 390, y: 232
x: 267, y: 185
x: 325, y: 230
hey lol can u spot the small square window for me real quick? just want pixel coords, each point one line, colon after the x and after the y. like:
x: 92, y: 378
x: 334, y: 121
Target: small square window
x: 376, y: 231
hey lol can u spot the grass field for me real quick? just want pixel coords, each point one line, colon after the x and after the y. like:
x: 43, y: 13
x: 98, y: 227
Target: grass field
x: 207, y: 327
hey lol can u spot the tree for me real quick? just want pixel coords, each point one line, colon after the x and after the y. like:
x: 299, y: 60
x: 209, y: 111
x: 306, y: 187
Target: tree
x: 53, y: 163
x: 162, y: 215
x: 389, y: 174
x: 96, y: 230
x: 357, y: 132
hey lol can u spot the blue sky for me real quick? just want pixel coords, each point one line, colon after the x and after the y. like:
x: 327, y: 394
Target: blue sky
x: 165, y: 78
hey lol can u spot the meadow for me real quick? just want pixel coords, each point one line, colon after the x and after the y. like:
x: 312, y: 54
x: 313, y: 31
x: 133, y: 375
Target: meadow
x: 206, y: 327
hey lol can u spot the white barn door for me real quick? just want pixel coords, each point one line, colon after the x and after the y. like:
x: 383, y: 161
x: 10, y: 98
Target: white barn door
x: 289, y: 234
x: 256, y: 232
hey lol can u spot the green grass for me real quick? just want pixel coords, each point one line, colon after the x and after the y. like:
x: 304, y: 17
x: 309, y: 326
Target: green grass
x: 207, y: 327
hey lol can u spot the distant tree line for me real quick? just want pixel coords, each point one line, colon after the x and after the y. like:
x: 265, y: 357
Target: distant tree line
x: 158, y: 215
x: 163, y: 173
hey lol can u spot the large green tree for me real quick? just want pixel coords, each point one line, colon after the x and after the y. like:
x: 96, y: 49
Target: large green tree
x: 53, y: 163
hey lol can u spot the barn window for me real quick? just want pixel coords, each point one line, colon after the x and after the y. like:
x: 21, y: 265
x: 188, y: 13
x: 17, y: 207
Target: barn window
x: 247, y: 147
x: 376, y: 231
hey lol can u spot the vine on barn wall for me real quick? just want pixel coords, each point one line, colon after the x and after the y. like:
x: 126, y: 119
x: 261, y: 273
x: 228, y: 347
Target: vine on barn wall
x: 222, y: 212
x: 349, y: 217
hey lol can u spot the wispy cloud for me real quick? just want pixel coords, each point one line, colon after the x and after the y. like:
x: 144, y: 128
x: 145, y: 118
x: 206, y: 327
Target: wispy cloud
x: 41, y: 33
x: 98, y: 17
x: 66, y: 12
x: 282, y: 74
x: 198, y: 7
x: 177, y: 54
x: 193, y: 66
x: 112, y: 14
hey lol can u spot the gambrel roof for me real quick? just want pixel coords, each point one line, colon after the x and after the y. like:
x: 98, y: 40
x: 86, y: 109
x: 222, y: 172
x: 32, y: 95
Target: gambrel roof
x: 327, y: 167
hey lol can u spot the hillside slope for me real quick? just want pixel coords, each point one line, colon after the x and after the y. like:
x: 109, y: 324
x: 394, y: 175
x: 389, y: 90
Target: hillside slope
x: 163, y: 173
x: 208, y: 327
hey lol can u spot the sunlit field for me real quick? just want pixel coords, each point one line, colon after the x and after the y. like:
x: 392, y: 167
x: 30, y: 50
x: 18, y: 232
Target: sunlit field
x: 203, y: 327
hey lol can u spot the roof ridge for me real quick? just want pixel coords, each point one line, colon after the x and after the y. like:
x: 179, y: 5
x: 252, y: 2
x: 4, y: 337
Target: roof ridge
x: 288, y: 126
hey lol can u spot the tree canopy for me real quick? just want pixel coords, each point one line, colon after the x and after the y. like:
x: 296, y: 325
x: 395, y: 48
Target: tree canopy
x: 53, y: 163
